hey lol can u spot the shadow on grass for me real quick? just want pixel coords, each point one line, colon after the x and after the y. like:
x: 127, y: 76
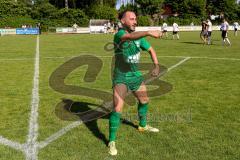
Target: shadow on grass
x: 199, y: 43
x: 88, y: 113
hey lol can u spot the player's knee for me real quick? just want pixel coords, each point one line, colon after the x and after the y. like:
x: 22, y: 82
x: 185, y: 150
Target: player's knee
x: 118, y: 109
x: 144, y: 100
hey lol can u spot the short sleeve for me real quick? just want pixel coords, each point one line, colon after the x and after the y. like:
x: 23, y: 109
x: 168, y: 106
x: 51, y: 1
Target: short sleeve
x: 118, y: 35
x: 144, y: 44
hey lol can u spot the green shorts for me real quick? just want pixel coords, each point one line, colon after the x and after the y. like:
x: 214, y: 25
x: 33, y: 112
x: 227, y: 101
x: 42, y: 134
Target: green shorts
x: 132, y: 80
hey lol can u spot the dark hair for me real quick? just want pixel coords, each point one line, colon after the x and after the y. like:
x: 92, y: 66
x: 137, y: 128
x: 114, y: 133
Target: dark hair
x: 123, y: 13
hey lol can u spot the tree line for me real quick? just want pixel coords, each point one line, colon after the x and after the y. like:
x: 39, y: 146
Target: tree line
x: 56, y: 13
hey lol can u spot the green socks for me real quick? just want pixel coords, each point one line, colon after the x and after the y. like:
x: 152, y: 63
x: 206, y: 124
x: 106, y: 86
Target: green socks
x: 114, y: 120
x: 142, y: 114
x: 114, y: 123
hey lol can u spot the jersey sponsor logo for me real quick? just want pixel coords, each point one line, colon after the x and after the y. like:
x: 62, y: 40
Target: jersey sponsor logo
x: 133, y: 58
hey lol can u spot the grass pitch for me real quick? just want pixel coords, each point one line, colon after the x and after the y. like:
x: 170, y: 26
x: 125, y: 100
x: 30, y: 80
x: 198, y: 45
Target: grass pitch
x: 198, y: 119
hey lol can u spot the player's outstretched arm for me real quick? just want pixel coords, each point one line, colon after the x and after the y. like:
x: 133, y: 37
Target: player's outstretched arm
x: 140, y: 34
x: 156, y: 69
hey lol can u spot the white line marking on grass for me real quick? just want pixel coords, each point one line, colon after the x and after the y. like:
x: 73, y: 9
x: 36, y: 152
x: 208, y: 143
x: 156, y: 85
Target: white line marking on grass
x: 73, y: 125
x: 30, y: 148
x: 216, y: 58
x: 16, y: 59
x: 69, y: 127
x: 179, y: 63
x: 59, y: 57
x: 11, y: 144
x: 210, y: 58
x: 58, y: 134
x: 31, y: 145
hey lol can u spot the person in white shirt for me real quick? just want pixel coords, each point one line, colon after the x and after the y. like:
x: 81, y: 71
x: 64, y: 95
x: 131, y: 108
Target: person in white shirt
x: 164, y: 28
x: 224, y: 29
x: 175, y: 30
x: 75, y: 26
x: 192, y: 25
x: 235, y: 26
x: 105, y: 28
x: 24, y: 26
x: 209, y: 30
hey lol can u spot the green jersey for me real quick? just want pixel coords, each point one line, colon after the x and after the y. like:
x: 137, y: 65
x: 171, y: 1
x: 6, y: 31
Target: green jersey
x: 127, y: 54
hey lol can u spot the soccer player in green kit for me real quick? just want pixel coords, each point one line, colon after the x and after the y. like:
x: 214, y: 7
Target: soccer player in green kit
x: 126, y: 75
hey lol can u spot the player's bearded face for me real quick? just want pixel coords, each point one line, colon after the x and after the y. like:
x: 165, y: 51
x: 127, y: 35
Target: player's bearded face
x: 130, y: 21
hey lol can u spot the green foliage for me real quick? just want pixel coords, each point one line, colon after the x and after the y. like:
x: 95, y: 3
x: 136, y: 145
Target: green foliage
x: 130, y: 7
x: 16, y: 21
x: 11, y: 8
x: 202, y: 8
x: 49, y: 15
x: 80, y: 4
x: 73, y: 16
x: 111, y: 3
x: 14, y: 14
x: 53, y: 12
x: 188, y: 8
x: 229, y: 8
x: 102, y: 12
x: 150, y: 7
x: 144, y: 21
x: 182, y: 21
x: 44, y: 10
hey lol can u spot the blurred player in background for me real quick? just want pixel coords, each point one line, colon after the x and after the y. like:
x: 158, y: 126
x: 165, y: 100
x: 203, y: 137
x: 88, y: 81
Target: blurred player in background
x: 164, y: 28
x: 235, y: 26
x: 75, y: 26
x: 175, y: 31
x: 209, y: 31
x: 224, y: 28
